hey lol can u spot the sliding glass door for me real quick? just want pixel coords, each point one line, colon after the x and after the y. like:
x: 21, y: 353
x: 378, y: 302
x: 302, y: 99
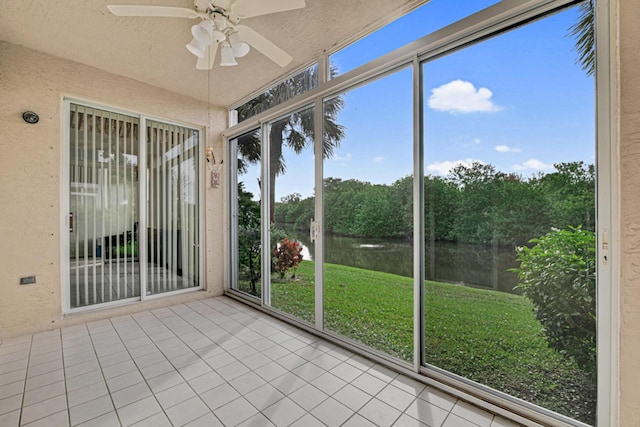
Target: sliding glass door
x: 106, y: 256
x: 103, y: 207
x: 172, y: 207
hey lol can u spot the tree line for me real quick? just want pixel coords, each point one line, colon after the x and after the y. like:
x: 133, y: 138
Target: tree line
x: 473, y: 204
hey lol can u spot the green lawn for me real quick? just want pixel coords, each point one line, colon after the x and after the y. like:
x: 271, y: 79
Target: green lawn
x: 490, y: 337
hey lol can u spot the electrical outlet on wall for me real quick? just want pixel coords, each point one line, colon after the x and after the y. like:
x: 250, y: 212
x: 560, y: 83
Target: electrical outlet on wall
x: 27, y: 280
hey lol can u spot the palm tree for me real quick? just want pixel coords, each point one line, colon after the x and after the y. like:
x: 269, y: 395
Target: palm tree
x: 584, y: 33
x: 295, y: 131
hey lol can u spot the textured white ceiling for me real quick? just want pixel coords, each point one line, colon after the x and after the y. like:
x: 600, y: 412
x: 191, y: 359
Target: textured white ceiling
x: 152, y: 49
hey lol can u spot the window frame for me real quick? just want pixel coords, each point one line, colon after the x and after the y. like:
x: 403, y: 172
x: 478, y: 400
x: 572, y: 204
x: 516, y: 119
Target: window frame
x: 66, y: 102
x: 477, y: 27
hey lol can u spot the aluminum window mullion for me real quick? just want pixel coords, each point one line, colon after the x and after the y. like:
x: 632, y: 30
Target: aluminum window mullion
x: 117, y: 207
x: 74, y: 178
x: 134, y: 213
x: 143, y: 194
x: 177, y: 215
x: 126, y: 192
x: 149, y: 202
x: 95, y: 203
x: 188, y: 221
x: 164, y: 193
x: 418, y: 219
x: 232, y: 280
x: 175, y: 188
x: 65, y: 180
x: 108, y: 207
x: 102, y: 190
x: 199, y: 238
x: 83, y: 199
x: 156, y: 162
x: 154, y: 203
x: 185, y: 216
x: 264, y: 214
x: 319, y: 213
x: 608, y: 205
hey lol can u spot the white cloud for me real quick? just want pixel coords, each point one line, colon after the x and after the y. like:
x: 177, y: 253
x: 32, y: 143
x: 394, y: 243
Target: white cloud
x: 460, y: 96
x: 506, y: 149
x: 346, y: 158
x: 378, y: 159
x: 477, y: 141
x: 533, y: 164
x: 443, y: 168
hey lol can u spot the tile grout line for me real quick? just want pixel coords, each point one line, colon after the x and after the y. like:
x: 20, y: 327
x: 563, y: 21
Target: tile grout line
x: 24, y: 386
x: 101, y: 373
x: 164, y: 411
x: 241, y: 395
x: 137, y: 367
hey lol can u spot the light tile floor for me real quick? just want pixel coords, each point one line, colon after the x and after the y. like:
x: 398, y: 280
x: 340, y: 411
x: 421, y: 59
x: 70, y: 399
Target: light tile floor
x: 209, y: 363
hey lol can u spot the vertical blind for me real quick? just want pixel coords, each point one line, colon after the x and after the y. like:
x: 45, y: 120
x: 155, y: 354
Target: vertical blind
x: 104, y: 207
x: 172, y: 207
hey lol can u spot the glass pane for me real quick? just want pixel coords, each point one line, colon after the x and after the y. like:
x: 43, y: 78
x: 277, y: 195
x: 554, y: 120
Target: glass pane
x: 368, y: 221
x: 300, y: 83
x: 249, y: 238
x: 103, y: 207
x: 292, y: 201
x: 172, y: 207
x: 509, y: 157
x: 431, y: 16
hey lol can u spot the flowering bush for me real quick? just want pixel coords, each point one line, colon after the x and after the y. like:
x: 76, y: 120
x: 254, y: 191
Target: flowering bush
x: 287, y: 256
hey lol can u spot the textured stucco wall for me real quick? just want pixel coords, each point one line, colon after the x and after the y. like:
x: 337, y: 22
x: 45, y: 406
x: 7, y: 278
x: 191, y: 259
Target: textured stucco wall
x: 629, y: 15
x: 30, y: 187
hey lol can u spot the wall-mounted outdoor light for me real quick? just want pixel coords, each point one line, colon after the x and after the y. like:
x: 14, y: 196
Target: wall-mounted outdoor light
x: 213, y: 167
x: 30, y: 117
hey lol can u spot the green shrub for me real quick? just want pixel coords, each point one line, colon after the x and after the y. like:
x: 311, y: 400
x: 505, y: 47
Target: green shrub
x: 558, y: 275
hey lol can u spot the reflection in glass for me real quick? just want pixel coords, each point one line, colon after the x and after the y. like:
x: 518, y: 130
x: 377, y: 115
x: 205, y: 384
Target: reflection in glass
x: 368, y: 191
x: 509, y: 146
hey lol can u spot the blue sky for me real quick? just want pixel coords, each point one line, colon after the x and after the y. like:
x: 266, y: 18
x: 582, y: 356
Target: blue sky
x: 517, y: 101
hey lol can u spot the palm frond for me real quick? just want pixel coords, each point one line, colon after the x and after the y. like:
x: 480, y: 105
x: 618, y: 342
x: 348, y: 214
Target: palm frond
x: 583, y: 31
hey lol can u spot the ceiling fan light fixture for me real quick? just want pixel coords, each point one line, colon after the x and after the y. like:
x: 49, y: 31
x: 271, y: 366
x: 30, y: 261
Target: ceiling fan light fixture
x: 240, y: 48
x: 227, y: 59
x: 203, y: 32
x: 196, y: 48
x: 219, y: 21
x: 218, y: 36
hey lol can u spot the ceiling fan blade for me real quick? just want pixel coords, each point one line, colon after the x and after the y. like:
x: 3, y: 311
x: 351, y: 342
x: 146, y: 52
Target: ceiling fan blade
x: 206, y: 63
x: 156, y: 11
x: 249, y: 8
x: 264, y: 46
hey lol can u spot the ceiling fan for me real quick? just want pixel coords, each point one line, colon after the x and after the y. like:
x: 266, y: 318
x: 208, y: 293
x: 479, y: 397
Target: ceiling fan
x: 220, y: 26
